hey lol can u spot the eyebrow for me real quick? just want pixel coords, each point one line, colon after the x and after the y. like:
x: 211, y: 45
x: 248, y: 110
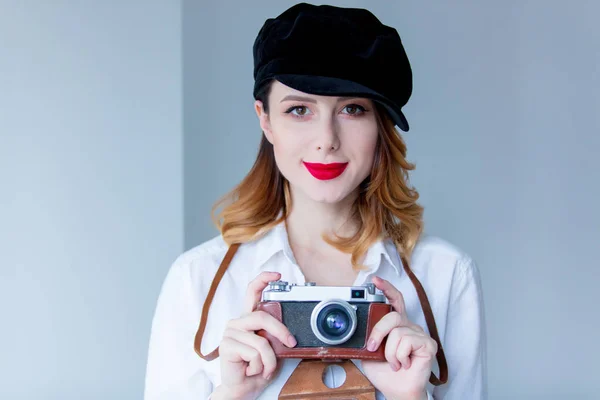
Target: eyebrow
x: 292, y: 97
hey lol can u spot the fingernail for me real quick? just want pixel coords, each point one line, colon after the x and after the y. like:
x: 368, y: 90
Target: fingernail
x: 371, y: 346
x: 395, y: 367
x: 269, y: 376
x: 292, y: 341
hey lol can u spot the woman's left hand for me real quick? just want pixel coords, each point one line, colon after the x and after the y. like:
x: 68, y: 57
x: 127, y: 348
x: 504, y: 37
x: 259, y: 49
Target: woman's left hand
x: 409, y: 351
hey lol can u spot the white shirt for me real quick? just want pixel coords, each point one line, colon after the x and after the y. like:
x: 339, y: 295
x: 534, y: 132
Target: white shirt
x: 449, y: 276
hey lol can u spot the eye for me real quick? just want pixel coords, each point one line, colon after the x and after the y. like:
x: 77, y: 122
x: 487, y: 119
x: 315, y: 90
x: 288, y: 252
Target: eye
x: 301, y: 111
x: 354, y: 109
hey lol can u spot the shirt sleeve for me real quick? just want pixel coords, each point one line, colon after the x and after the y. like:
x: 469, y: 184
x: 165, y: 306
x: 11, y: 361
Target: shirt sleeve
x: 174, y: 371
x: 465, y: 337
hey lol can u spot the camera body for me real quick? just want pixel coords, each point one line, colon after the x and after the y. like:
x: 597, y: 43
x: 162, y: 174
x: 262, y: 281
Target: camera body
x: 329, y: 322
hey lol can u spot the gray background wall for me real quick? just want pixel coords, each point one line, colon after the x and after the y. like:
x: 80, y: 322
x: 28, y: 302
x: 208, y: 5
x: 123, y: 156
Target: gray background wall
x: 91, y: 191
x: 104, y: 117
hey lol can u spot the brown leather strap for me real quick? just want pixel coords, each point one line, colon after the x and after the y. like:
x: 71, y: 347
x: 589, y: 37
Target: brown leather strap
x: 209, y: 298
x: 429, y: 318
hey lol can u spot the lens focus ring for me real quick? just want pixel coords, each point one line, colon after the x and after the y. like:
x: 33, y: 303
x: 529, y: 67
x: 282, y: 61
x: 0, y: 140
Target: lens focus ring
x: 333, y: 321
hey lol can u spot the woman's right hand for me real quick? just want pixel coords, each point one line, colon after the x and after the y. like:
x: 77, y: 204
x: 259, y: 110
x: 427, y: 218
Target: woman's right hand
x: 248, y: 362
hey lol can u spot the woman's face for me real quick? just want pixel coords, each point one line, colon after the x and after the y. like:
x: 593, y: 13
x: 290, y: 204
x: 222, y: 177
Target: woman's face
x: 324, y: 146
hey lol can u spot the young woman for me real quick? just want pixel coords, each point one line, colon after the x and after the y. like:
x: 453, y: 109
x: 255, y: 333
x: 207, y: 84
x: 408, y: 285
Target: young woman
x: 327, y: 201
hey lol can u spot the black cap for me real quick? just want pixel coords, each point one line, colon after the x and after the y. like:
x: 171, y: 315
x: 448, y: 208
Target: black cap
x: 335, y: 51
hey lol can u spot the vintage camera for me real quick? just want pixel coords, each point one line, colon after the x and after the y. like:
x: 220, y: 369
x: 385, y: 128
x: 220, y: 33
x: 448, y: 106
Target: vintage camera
x: 329, y: 322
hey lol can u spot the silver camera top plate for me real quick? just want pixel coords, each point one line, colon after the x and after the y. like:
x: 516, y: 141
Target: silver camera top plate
x: 284, y: 291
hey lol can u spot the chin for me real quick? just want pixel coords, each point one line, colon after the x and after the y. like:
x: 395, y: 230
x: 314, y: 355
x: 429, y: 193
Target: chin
x: 326, y: 192
x: 327, y: 197
x: 327, y: 200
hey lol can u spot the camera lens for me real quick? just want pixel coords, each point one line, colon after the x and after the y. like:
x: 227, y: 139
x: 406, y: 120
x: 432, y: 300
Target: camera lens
x: 333, y: 321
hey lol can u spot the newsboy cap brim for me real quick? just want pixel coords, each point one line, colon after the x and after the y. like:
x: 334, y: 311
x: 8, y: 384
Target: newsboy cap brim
x: 330, y: 86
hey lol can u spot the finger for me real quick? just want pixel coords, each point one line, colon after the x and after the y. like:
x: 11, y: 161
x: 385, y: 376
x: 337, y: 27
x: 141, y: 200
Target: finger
x: 260, y: 344
x: 263, y: 320
x: 404, y: 351
x: 391, y: 346
x: 385, y: 325
x: 382, y: 328
x: 255, y: 288
x: 416, y: 346
x: 230, y: 350
x: 393, y: 295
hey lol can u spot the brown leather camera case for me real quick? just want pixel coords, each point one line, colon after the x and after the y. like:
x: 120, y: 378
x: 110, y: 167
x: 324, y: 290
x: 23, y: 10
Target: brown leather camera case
x: 376, y: 312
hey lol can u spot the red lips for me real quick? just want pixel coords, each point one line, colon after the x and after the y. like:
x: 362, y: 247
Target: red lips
x: 325, y: 171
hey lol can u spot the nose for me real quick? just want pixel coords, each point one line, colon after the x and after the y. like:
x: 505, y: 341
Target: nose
x: 328, y: 138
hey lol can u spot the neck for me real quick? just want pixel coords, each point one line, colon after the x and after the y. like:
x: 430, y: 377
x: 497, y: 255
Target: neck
x: 309, y: 220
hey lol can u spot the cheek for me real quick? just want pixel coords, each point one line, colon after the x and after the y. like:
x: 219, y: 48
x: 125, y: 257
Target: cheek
x: 286, y: 148
x: 289, y: 143
x: 366, y: 148
x: 289, y: 151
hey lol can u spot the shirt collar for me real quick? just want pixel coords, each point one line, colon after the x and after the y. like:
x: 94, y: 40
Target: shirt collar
x: 273, y: 242
x: 276, y: 240
x: 383, y: 248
